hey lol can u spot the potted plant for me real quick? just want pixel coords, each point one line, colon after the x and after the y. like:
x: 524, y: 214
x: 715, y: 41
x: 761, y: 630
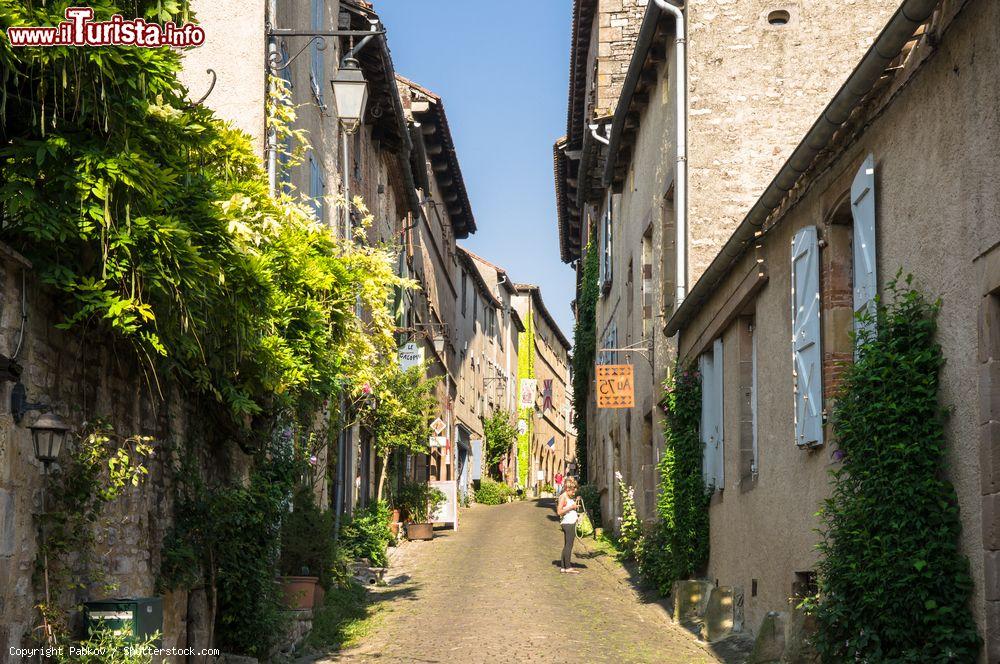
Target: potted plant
x: 307, y: 553
x: 420, y: 501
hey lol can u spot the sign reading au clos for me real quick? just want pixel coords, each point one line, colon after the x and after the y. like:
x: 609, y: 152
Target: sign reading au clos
x: 615, y: 386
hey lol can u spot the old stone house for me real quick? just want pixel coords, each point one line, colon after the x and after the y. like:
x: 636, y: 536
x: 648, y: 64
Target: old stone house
x: 898, y: 173
x: 491, y: 356
x: 548, y: 444
x: 754, y: 83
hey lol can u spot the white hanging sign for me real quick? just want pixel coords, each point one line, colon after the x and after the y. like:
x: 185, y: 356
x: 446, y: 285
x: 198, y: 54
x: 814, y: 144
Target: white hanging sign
x: 529, y: 392
x: 410, y: 355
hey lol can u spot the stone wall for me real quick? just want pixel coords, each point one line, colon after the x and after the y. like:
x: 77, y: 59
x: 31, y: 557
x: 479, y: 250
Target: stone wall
x: 754, y: 90
x: 617, y: 29
x: 84, y: 377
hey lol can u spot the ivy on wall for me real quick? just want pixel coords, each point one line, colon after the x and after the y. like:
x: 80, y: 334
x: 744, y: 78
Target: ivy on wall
x: 151, y: 222
x: 585, y: 352
x: 677, y: 546
x: 526, y: 369
x: 893, y: 584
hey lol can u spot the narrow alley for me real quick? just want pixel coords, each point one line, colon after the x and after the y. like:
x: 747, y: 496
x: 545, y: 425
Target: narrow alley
x: 513, y: 605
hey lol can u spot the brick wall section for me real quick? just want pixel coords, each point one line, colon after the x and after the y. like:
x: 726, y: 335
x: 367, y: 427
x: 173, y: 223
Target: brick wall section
x: 618, y: 28
x: 837, y: 297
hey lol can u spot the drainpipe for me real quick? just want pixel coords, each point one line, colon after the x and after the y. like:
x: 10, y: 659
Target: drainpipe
x: 600, y: 139
x: 270, y: 142
x: 681, y: 177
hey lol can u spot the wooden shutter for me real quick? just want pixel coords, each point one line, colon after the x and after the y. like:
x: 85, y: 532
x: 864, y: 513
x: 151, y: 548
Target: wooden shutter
x: 710, y: 365
x: 477, y: 460
x: 807, y: 351
x: 707, y: 370
x: 863, y: 211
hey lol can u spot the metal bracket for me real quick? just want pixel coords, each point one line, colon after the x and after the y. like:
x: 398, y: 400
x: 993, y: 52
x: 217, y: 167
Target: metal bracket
x: 642, y: 347
x: 274, y: 63
x: 211, y: 87
x: 20, y: 406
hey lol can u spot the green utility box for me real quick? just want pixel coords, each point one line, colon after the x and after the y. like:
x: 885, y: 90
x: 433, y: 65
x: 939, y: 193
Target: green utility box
x: 142, y: 615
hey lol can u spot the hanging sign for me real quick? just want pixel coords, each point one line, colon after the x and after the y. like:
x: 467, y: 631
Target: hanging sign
x: 522, y: 427
x: 615, y: 386
x: 438, y: 426
x: 529, y: 391
x: 410, y: 355
x: 438, y: 441
x: 547, y: 394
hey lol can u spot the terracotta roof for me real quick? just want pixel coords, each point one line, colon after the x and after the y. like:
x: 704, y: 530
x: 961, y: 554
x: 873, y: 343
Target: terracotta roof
x: 434, y: 123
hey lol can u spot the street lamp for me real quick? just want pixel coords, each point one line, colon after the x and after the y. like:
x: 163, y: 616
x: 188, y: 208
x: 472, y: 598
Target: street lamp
x: 47, y: 434
x: 350, y: 91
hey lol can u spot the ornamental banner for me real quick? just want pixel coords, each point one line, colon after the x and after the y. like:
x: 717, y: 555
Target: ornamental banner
x: 547, y: 394
x: 529, y: 392
x: 615, y: 386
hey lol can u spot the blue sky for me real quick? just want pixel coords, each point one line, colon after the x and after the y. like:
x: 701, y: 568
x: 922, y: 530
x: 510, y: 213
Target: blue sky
x: 501, y: 69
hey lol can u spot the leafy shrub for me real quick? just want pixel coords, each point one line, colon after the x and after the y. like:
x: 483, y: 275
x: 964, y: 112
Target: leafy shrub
x: 548, y: 488
x: 677, y: 546
x: 342, y: 620
x: 367, y: 534
x: 307, y: 547
x: 492, y: 493
x: 591, y: 498
x: 499, y: 433
x: 893, y: 585
x: 109, y: 646
x: 630, y: 528
x: 418, y: 501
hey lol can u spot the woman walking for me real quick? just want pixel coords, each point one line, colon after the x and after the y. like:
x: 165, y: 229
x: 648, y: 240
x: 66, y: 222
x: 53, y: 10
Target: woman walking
x: 566, y: 508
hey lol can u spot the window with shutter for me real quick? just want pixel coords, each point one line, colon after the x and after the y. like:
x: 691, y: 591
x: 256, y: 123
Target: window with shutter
x: 863, y: 212
x: 807, y: 352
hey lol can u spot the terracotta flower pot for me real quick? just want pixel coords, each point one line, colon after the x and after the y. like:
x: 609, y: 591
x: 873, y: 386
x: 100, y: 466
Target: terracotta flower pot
x: 395, y: 516
x: 299, y: 592
x: 394, y: 528
x: 420, y: 531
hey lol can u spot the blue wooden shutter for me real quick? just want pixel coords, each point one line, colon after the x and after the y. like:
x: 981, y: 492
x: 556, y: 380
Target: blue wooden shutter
x: 863, y: 211
x: 318, y: 65
x: 807, y: 350
x: 710, y: 366
x: 717, y: 433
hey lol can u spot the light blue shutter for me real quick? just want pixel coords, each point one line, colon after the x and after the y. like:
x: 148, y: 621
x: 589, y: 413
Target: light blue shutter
x: 807, y: 351
x: 706, y: 368
x: 863, y: 211
x: 710, y: 365
x: 318, y: 68
x: 315, y: 188
x: 477, y: 459
x: 717, y: 433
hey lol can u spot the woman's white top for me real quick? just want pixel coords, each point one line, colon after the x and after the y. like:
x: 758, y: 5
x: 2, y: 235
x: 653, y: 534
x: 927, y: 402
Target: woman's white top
x: 570, y: 516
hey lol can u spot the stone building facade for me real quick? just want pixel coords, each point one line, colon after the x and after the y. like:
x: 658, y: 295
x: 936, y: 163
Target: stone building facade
x: 745, y: 115
x: 907, y: 182
x: 548, y: 444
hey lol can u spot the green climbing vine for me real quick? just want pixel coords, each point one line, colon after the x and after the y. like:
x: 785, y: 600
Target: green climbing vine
x: 499, y: 432
x: 526, y: 369
x: 893, y: 584
x: 585, y: 352
x: 677, y: 546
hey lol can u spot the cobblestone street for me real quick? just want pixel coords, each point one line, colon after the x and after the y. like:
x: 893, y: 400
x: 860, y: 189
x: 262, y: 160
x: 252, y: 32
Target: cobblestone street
x: 492, y: 592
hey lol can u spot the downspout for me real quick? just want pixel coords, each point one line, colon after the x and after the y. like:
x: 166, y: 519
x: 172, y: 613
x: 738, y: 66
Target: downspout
x: 600, y: 139
x: 681, y: 176
x: 271, y: 142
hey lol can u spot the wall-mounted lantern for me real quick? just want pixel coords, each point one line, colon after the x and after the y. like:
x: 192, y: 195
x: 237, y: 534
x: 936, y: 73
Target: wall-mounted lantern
x: 47, y: 433
x: 350, y: 90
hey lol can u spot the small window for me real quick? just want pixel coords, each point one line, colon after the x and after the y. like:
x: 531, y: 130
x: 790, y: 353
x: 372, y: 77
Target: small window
x: 465, y: 291
x: 779, y: 17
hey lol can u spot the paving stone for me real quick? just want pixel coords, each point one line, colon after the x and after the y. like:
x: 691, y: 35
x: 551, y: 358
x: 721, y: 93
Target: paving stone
x: 492, y: 592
